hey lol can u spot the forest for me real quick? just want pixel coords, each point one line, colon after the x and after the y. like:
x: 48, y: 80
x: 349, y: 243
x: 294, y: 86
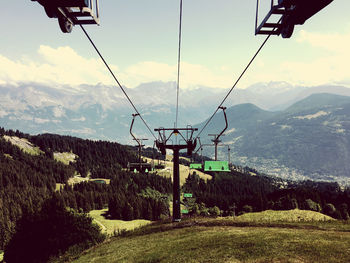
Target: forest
x: 29, y: 182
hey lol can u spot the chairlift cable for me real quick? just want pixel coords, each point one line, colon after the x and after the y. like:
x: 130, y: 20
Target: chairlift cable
x: 115, y: 78
x: 235, y: 84
x: 178, y: 66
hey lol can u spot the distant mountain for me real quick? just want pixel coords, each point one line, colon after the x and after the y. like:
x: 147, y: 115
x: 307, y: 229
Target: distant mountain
x: 102, y: 112
x: 310, y: 139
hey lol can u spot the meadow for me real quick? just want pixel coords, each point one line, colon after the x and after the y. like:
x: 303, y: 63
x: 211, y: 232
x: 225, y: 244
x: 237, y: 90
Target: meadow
x: 110, y: 227
x: 235, y: 239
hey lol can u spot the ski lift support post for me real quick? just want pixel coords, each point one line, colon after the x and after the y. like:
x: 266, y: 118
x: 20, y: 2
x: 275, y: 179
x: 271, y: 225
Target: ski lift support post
x: 216, y: 139
x: 139, y: 141
x: 189, y: 143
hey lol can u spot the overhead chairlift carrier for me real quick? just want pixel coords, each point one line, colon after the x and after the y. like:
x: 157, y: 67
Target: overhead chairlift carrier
x: 140, y: 166
x: 285, y: 14
x: 72, y: 12
x: 198, y: 166
x: 217, y: 166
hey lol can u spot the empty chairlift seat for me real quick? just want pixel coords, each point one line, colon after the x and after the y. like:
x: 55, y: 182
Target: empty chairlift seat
x: 197, y: 166
x: 216, y: 166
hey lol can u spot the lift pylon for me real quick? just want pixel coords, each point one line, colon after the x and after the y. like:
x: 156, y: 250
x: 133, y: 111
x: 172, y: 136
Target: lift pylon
x: 165, y: 142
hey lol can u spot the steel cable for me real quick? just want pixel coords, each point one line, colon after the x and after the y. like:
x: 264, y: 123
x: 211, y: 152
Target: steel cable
x: 115, y: 78
x: 178, y: 66
x: 234, y: 85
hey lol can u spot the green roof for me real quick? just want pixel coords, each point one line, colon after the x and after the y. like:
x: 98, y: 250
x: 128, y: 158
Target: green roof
x: 195, y: 166
x: 216, y: 166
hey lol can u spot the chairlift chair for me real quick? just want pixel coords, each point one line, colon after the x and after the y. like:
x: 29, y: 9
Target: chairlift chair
x: 290, y: 12
x: 72, y: 12
x: 197, y: 166
x: 216, y: 166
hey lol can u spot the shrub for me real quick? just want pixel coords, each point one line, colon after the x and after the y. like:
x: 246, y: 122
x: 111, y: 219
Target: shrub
x: 50, y: 233
x: 247, y: 209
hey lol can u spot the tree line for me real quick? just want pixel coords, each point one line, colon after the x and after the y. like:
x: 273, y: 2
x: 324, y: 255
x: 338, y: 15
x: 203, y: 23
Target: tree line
x: 235, y: 193
x: 26, y: 181
x: 29, y: 182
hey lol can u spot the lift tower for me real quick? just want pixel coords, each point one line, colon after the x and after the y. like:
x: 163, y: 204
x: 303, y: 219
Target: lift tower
x: 165, y: 142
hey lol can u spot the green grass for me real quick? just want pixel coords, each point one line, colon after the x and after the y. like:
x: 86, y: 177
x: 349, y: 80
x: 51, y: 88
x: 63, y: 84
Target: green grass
x: 8, y: 156
x: 226, y: 244
x: 229, y: 240
x: 1, y: 256
x: 59, y: 186
x: 65, y: 157
x: 184, y: 171
x: 24, y: 145
x: 110, y: 226
x: 295, y: 215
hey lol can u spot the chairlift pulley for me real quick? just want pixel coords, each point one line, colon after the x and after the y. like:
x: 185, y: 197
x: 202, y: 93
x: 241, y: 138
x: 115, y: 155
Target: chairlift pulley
x: 72, y: 12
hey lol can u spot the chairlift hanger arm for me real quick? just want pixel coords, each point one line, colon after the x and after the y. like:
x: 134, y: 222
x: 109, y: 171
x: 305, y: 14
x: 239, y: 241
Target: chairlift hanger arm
x: 200, y: 145
x: 216, y: 139
x: 226, y: 124
x: 131, y: 126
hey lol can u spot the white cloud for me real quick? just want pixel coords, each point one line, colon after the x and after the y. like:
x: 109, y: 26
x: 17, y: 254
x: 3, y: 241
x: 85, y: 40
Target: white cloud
x: 190, y: 74
x: 336, y: 42
x: 330, y: 66
x: 41, y: 121
x: 3, y: 113
x: 64, y: 66
x: 60, y: 66
x: 58, y: 112
x: 309, y: 59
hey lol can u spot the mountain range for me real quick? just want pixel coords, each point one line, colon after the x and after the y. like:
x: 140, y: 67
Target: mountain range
x: 281, y: 129
x: 308, y: 140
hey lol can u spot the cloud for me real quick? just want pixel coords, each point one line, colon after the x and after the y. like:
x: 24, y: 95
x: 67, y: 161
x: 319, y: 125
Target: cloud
x: 64, y: 66
x: 331, y: 67
x: 337, y: 43
x: 190, y: 74
x: 328, y: 62
x: 60, y: 65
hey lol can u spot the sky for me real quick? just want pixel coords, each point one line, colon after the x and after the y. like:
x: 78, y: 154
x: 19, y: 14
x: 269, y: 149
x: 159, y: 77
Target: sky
x: 139, y: 39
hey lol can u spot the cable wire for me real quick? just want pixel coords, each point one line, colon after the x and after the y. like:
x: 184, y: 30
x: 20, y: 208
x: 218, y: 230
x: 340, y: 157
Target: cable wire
x: 115, y: 78
x: 178, y: 66
x: 234, y: 85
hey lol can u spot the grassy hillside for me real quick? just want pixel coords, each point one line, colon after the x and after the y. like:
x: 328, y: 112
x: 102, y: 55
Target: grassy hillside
x: 184, y: 170
x: 23, y: 144
x: 295, y: 215
x: 111, y: 226
x: 234, y: 240
x: 65, y: 157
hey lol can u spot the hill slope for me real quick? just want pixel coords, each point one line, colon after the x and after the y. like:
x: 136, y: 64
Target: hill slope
x: 216, y: 240
x: 310, y: 139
